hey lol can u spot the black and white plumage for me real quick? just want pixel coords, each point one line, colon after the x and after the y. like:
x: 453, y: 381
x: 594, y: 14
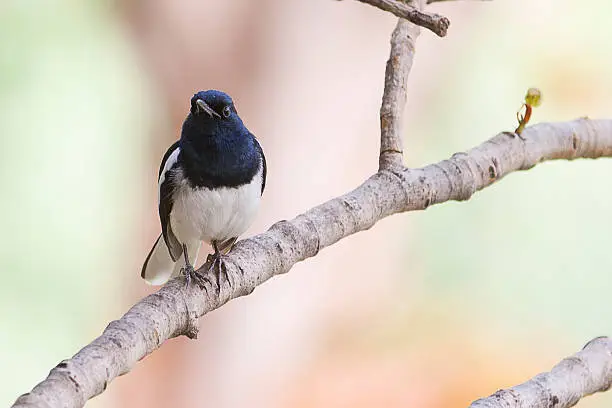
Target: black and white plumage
x: 210, y: 185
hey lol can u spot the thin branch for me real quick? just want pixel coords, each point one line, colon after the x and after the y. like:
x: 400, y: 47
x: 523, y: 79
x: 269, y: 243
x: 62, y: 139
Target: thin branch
x: 585, y: 373
x: 172, y: 310
x: 394, y: 96
x: 432, y: 21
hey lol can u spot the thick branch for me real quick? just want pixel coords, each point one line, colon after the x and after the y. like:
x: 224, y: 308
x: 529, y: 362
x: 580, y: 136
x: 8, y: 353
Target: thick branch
x: 394, y: 96
x: 432, y: 21
x: 172, y: 310
x: 585, y: 373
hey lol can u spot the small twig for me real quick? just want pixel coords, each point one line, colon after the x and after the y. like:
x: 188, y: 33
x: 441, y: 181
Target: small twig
x: 523, y: 119
x: 532, y: 99
x: 434, y: 22
x: 394, y: 96
x: 585, y: 373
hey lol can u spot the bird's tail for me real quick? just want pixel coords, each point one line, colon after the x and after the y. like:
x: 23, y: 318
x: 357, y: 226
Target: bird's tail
x: 159, y: 267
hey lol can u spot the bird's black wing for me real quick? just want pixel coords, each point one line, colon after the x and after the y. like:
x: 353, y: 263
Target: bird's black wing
x: 263, y: 163
x: 166, y: 200
x: 171, y: 149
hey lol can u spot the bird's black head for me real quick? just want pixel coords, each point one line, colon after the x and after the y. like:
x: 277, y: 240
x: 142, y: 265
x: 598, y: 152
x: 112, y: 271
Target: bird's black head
x: 216, y: 148
x: 212, y: 110
x: 214, y: 125
x: 212, y: 119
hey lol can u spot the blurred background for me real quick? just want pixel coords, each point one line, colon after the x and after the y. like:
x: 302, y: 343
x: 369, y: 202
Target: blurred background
x: 429, y: 309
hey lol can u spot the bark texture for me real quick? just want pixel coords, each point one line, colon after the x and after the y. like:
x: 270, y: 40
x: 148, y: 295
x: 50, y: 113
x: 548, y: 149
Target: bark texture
x: 585, y: 373
x: 394, y: 95
x: 432, y: 21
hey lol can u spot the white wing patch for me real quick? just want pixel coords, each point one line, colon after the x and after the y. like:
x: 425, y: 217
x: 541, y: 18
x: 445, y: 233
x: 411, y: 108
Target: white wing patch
x: 167, y: 166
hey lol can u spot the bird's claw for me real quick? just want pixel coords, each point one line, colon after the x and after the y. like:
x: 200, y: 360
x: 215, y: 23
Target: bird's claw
x: 195, y: 276
x: 216, y: 264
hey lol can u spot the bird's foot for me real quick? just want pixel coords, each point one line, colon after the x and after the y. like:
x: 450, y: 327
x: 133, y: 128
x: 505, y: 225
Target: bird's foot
x: 216, y: 264
x: 193, y: 275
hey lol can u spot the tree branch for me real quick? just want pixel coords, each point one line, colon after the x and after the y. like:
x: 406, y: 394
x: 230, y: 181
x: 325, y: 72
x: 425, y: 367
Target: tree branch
x: 585, y: 373
x: 172, y: 310
x: 432, y: 21
x: 394, y: 96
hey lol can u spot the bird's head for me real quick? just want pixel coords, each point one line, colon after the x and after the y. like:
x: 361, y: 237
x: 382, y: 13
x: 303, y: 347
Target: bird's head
x: 210, y: 108
x: 212, y: 119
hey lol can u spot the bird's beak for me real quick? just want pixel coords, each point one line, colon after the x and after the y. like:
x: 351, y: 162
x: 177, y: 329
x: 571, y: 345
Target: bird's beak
x: 204, y: 106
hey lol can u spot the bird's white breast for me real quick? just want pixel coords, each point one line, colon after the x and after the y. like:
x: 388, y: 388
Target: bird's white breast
x: 213, y: 214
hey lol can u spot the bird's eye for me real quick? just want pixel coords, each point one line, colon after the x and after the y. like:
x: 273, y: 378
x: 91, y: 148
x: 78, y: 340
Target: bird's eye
x: 227, y: 111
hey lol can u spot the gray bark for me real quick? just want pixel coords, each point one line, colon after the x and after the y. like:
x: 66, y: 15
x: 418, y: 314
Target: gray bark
x: 432, y: 21
x: 584, y: 373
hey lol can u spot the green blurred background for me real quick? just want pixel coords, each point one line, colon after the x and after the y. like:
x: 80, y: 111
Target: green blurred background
x: 440, y: 308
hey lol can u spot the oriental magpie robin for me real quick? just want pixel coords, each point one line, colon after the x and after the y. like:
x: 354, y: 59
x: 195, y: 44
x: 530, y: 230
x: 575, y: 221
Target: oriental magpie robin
x: 210, y: 184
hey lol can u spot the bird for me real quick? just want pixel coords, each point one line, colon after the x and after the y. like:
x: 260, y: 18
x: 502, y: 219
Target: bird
x: 210, y: 184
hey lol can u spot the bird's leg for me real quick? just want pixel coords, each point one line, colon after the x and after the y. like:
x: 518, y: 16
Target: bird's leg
x: 217, y: 260
x: 187, y: 270
x: 227, y: 245
x: 214, y: 261
x: 191, y: 273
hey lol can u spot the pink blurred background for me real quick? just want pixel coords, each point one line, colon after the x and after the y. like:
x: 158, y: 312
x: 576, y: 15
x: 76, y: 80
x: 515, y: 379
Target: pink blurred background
x: 430, y: 309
